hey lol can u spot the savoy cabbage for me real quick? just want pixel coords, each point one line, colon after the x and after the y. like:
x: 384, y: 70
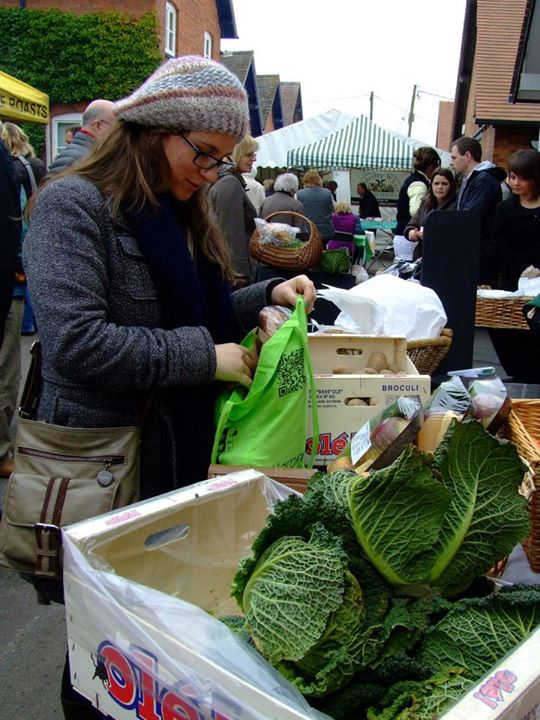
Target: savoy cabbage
x: 435, y: 526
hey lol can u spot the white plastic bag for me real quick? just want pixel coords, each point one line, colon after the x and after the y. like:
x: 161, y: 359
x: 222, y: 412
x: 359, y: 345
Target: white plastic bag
x: 128, y: 582
x: 387, y: 305
x: 279, y: 234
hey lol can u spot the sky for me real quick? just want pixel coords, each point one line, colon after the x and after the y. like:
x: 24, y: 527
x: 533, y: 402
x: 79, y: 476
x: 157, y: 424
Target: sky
x: 342, y: 50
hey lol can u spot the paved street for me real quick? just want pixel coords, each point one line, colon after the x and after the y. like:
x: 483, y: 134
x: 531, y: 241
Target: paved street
x: 33, y: 637
x: 33, y: 640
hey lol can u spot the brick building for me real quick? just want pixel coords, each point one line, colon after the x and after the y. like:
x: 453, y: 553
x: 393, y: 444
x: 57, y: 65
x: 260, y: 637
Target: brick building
x: 183, y: 27
x: 487, y: 105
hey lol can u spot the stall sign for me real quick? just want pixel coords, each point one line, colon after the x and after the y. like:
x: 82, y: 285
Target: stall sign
x: 384, y: 184
x: 20, y: 101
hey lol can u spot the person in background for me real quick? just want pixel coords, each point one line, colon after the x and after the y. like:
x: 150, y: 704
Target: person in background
x: 368, y: 206
x: 30, y: 171
x: 254, y: 190
x: 97, y: 122
x: 10, y: 310
x: 268, y: 185
x: 283, y: 201
x: 344, y: 220
x: 235, y: 213
x: 70, y: 133
x: 411, y: 194
x: 29, y: 168
x: 480, y: 191
x: 517, y: 220
x: 441, y: 196
x: 332, y: 186
x: 130, y: 279
x: 318, y: 204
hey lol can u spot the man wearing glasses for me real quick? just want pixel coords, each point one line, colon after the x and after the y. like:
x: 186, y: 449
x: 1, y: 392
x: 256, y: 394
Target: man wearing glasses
x: 97, y: 122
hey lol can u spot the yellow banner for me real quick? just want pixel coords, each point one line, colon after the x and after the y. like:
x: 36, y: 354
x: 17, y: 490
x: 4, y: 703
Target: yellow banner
x: 20, y: 101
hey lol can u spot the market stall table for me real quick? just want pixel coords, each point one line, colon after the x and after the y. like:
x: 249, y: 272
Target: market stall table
x: 387, y: 227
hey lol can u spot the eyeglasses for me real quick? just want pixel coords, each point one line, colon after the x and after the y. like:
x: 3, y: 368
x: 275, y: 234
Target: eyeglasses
x: 204, y: 160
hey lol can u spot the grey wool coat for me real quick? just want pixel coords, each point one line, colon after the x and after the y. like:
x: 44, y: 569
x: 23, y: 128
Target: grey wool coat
x: 104, y: 346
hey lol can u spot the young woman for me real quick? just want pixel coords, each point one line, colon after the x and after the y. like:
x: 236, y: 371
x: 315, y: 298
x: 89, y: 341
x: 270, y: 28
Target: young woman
x: 517, y: 220
x: 441, y: 196
x: 130, y: 279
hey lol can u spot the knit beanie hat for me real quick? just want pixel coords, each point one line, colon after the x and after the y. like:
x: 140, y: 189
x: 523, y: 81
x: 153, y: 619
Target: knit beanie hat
x: 189, y: 93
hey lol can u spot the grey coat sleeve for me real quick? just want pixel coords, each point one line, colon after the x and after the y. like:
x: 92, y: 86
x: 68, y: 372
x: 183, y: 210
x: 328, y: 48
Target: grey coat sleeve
x: 67, y: 262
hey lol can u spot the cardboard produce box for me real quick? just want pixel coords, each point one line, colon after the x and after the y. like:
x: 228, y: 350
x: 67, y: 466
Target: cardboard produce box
x: 295, y: 478
x: 339, y: 419
x: 511, y: 691
x: 140, y: 583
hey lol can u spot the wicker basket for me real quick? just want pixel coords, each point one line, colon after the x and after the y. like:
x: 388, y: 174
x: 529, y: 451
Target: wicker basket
x: 301, y: 258
x: 427, y: 355
x: 502, y: 313
x: 523, y: 429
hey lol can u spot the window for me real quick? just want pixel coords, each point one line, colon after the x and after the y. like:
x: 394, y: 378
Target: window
x: 170, y: 29
x: 207, y: 46
x: 59, y: 125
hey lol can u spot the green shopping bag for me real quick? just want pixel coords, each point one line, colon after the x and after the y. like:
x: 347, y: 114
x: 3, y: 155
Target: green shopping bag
x: 266, y: 425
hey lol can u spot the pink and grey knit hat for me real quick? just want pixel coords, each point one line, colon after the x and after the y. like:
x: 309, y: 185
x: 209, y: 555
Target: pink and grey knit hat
x: 189, y: 93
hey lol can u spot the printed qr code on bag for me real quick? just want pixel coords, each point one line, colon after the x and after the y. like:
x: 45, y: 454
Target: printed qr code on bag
x: 290, y: 372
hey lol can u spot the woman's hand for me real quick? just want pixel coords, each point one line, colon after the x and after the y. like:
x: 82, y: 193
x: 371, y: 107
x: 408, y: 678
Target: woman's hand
x: 285, y: 293
x: 415, y: 235
x: 234, y: 363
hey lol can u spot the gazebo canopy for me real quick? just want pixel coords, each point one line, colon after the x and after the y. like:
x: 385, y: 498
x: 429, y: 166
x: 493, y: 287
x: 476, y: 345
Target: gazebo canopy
x: 360, y: 144
x: 19, y: 101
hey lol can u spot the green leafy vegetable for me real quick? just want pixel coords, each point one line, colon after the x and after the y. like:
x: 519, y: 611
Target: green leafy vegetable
x: 292, y: 592
x: 437, y: 527
x: 478, y: 632
x: 304, y: 610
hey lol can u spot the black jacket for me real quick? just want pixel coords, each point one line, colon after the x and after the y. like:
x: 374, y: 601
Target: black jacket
x: 10, y: 232
x: 482, y: 194
x: 403, y: 213
x: 368, y: 206
x: 517, y: 241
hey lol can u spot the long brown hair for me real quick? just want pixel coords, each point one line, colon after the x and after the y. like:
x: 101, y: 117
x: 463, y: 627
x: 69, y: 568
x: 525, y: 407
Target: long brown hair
x: 431, y: 202
x: 130, y: 168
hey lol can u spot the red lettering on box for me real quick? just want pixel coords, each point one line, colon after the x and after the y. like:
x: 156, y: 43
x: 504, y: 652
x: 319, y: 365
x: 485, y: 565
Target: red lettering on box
x: 491, y: 692
x: 132, y: 682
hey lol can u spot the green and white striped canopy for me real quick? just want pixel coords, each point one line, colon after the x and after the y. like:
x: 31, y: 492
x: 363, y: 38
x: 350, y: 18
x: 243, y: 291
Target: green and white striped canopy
x: 360, y: 144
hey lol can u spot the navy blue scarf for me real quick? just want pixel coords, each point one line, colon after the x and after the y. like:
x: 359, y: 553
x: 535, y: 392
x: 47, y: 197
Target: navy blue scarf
x: 191, y: 293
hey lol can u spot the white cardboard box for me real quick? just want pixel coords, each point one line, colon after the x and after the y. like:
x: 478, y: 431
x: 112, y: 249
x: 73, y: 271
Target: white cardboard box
x: 140, y: 582
x: 338, y: 421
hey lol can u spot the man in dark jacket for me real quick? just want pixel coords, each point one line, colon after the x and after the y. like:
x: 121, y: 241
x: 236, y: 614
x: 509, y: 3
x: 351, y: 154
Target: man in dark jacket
x: 10, y: 240
x: 480, y: 191
x: 367, y: 202
x: 97, y: 121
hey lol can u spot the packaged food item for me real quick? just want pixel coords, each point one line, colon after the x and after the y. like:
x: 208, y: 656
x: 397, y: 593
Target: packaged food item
x: 490, y: 402
x: 271, y: 318
x: 379, y: 441
x: 279, y: 234
x: 450, y: 401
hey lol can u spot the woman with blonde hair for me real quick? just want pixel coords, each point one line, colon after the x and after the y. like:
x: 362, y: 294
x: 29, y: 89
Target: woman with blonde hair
x: 29, y: 169
x: 235, y: 213
x: 318, y: 204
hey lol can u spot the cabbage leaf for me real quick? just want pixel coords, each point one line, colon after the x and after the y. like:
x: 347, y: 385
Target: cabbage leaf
x: 435, y: 527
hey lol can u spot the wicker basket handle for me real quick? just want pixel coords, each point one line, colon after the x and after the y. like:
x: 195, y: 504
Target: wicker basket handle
x: 289, y: 212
